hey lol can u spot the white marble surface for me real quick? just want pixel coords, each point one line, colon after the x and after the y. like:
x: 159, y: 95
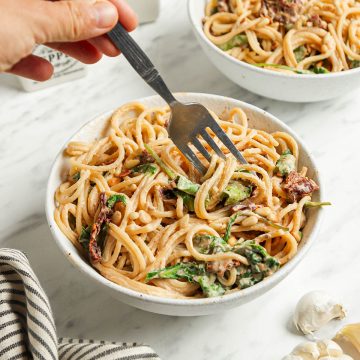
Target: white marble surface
x: 34, y: 126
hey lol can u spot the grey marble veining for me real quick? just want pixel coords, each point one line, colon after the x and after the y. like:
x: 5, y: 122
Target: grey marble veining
x: 35, y: 126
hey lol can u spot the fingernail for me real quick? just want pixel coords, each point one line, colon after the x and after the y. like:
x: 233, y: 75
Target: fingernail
x: 106, y: 14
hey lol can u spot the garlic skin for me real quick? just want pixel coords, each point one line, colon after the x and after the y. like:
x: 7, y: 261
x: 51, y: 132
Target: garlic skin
x: 349, y: 339
x: 329, y: 348
x: 307, y: 350
x: 315, y: 309
x: 319, y: 350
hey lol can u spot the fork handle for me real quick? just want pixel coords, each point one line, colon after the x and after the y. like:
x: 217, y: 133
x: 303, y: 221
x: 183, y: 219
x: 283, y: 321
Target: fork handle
x: 140, y: 62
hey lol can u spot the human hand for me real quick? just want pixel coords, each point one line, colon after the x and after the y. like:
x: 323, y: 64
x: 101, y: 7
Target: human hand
x: 76, y: 28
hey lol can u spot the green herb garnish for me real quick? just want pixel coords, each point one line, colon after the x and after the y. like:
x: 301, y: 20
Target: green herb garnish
x: 188, y: 200
x: 235, y: 192
x: 76, y: 176
x: 283, y: 67
x: 187, y: 186
x: 145, y: 169
x: 300, y: 53
x: 319, y: 70
x: 237, y: 40
x: 113, y: 199
x: 261, y: 264
x: 102, y: 235
x: 354, y: 64
x: 179, y: 271
x: 312, y: 204
x: 210, y: 244
x: 286, y: 163
x: 191, y: 272
x: 228, y: 228
x: 210, y: 289
x: 85, y: 237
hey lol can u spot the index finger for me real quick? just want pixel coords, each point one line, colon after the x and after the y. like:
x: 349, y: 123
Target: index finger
x: 127, y: 16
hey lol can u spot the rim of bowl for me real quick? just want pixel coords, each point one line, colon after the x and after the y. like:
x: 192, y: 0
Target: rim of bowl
x: 267, y: 283
x: 195, y: 22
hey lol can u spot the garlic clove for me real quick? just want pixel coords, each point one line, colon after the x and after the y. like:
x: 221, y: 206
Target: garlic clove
x: 349, y: 339
x: 307, y: 351
x: 315, y: 309
x: 319, y: 350
x: 329, y: 348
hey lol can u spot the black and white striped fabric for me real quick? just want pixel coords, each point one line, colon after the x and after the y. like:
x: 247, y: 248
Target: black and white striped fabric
x: 27, y: 328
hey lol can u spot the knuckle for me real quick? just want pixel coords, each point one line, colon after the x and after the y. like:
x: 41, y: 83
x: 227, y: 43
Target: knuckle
x: 79, y: 19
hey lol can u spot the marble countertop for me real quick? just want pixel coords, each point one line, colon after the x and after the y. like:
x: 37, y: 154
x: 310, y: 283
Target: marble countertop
x: 34, y: 126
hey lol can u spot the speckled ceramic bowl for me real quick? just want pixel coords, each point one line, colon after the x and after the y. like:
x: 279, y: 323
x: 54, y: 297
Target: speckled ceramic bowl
x: 271, y: 84
x: 257, y: 119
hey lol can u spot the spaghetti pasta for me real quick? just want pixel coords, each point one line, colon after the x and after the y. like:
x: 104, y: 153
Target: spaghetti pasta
x: 296, y: 36
x: 146, y: 220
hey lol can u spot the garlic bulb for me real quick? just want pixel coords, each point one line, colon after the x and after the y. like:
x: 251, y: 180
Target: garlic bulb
x: 315, y: 309
x: 319, y: 350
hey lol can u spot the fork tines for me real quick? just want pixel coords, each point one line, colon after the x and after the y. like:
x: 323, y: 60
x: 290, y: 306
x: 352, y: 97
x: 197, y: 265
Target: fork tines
x: 219, y: 132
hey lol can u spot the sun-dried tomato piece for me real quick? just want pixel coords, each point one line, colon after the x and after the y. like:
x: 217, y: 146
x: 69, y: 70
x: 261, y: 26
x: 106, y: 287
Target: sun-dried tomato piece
x: 103, y: 217
x: 298, y: 186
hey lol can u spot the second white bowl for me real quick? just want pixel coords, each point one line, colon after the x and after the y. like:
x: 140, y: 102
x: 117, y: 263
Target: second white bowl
x: 271, y: 84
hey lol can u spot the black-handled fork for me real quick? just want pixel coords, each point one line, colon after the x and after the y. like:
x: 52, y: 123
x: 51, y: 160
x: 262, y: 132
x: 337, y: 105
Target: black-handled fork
x: 188, y: 121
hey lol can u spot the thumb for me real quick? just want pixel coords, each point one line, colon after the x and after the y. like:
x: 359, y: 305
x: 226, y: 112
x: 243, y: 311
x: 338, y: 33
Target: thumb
x: 69, y: 21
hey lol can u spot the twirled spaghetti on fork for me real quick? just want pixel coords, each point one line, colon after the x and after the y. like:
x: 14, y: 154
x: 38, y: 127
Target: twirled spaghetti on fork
x: 146, y: 220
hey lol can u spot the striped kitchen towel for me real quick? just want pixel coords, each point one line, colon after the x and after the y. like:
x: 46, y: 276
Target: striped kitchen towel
x: 27, y: 328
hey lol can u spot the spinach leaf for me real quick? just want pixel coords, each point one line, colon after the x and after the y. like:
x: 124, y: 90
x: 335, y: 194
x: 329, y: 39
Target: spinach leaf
x: 286, y: 163
x: 191, y: 272
x: 237, y: 40
x: 210, y: 289
x: 243, y: 171
x: 187, y: 199
x: 300, y: 53
x: 273, y: 224
x: 186, y: 271
x: 85, y: 237
x: 283, y: 67
x: 261, y: 264
x: 171, y: 174
x: 76, y: 176
x: 113, y: 199
x: 354, y: 64
x: 245, y: 282
x: 102, y: 235
x: 319, y: 70
x: 210, y: 244
x: 202, y: 242
x: 228, y: 228
x: 312, y: 204
x: 145, y: 169
x: 187, y: 186
x: 219, y: 245
x: 235, y: 192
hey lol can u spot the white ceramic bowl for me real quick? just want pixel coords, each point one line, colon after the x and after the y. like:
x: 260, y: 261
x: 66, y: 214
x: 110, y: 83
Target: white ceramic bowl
x: 257, y: 119
x: 275, y: 85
